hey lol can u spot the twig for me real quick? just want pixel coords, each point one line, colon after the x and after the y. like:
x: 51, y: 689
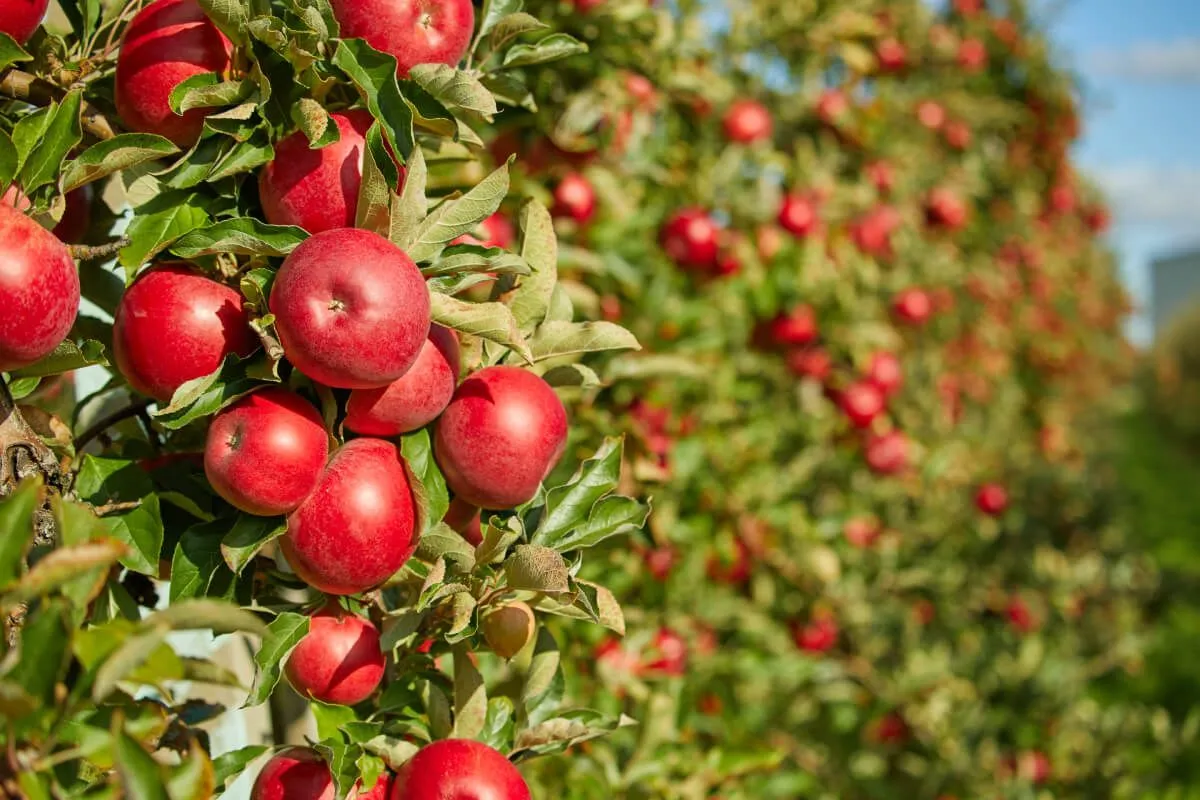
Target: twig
x: 115, y: 508
x: 31, y: 89
x: 97, y: 252
x: 107, y: 422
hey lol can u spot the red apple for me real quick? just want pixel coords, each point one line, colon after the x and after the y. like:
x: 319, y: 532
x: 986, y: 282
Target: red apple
x: 500, y: 436
x: 297, y: 773
x: 1033, y: 766
x: 414, y: 31
x: 872, y: 232
x: 832, y: 106
x: 39, y: 290
x: 972, y: 55
x: 462, y: 769
x: 265, y: 452
x: 495, y: 231
x: 861, y: 402
x: 819, y: 635
x: 689, y: 238
x: 1019, y: 616
x: 991, y: 499
x: 382, y: 789
x: 747, y: 121
x: 358, y: 527
x: 465, y: 518
x: 167, y: 42
x: 641, y: 89
x: 415, y: 398
x: 351, y: 309
x: 77, y: 214
x: 722, y: 569
x: 810, y: 362
x: 890, y: 729
x: 892, y: 55
x: 861, y: 531
x: 587, y: 6
x: 882, y: 175
x: 796, y: 328
x: 338, y: 661
x: 887, y: 453
x: 945, y: 208
x: 316, y: 189
x: 20, y: 18
x: 958, y: 135
x: 913, y: 306
x: 660, y: 561
x: 798, y: 215
x: 667, y: 656
x: 931, y: 114
x: 885, y: 372
x: 574, y: 198
x: 174, y: 325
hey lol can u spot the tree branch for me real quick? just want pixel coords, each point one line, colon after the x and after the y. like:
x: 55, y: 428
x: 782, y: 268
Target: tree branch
x: 104, y: 423
x: 97, y: 252
x: 31, y: 89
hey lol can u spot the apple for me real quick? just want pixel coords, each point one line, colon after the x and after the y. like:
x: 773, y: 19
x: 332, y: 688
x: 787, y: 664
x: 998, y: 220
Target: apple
x: 727, y: 264
x: 1033, y: 766
x: 167, y: 42
x: 502, y: 433
x: 885, y: 372
x: 174, y: 325
x: 316, y: 189
x: 414, y: 31
x: 832, y: 106
x: 913, y: 306
x: 991, y: 499
x: 958, y: 135
x: 265, y: 453
x: 1019, y: 616
x: 968, y: 8
x: 887, y: 453
x: 465, y: 518
x: 892, y: 55
x: 795, y: 328
x: 747, y: 121
x: 889, y: 729
x: 660, y: 561
x: 945, y: 208
x: 689, y: 238
x: 508, y: 628
x: 587, y: 6
x: 861, y: 402
x: 77, y: 215
x: 931, y: 114
x: 882, y: 176
x: 574, y: 198
x: 39, y: 290
x: 798, y: 215
x: 415, y: 398
x: 818, y: 635
x: 358, y: 526
x: 20, y: 18
x: 297, y: 773
x: 972, y: 55
x: 641, y: 89
x: 872, y: 232
x: 351, y: 309
x: 459, y: 768
x: 382, y: 789
x: 495, y: 231
x: 732, y: 572
x: 861, y: 532
x: 810, y: 362
x: 769, y: 241
x: 338, y: 661
x: 668, y: 655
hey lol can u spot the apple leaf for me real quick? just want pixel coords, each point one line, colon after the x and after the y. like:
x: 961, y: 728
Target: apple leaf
x: 374, y: 192
x: 470, y: 696
x: 205, y: 396
x: 247, y: 537
x: 206, y: 90
x: 61, y: 134
x: 243, y: 236
x: 113, y: 155
x: 457, y: 216
x: 374, y: 74
x: 409, y: 207
x: 455, y: 88
x: 551, y: 48
x: 157, y: 224
x: 544, y: 684
x: 8, y: 160
x: 491, y: 321
x: 493, y: 12
x: 499, y: 725
x: 228, y: 766
x: 283, y: 634
x: 539, y: 247
x: 557, y: 339
x: 16, y: 527
x: 198, y: 567
x: 570, y: 728
x: 462, y: 258
x: 101, y: 481
x: 11, y: 52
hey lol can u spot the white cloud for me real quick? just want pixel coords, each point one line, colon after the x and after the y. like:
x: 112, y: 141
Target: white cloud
x: 1156, y: 195
x: 1175, y: 61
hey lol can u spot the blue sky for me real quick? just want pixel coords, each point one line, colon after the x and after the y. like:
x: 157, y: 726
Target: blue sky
x: 1139, y: 61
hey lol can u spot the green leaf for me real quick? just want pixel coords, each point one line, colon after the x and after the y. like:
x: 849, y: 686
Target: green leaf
x: 318, y: 127
x: 543, y: 682
x: 30, y: 130
x: 409, y: 208
x: 470, y: 696
x: 375, y: 192
x: 207, y: 90
x: 61, y: 135
x: 243, y: 236
x: 228, y: 766
x: 601, y: 606
x: 140, y: 775
x: 454, y: 217
x: 331, y: 719
x: 513, y: 25
x: 194, y: 615
x: 192, y: 778
x: 551, y: 48
x: 283, y: 634
x: 88, y: 562
x: 494, y: 11
x: 66, y: 357
x: 101, y: 481
x: 539, y: 247
x: 394, y: 752
x: 16, y: 528
x: 43, y: 654
x: 231, y: 16
x: 537, y: 569
x: 206, y: 396
x: 472, y: 258
x: 455, y: 88
x: 572, y: 375
x: 374, y: 74
x: 157, y: 224
x: 497, y: 540
x: 572, y: 727
x: 8, y: 160
x: 198, y: 568
x: 417, y: 449
x: 499, y: 725
x: 491, y: 321
x: 556, y: 339
x: 569, y: 505
x: 442, y: 541
x: 11, y: 52
x: 15, y: 702
x: 510, y: 90
x: 438, y: 709
x: 113, y: 155
x: 247, y: 537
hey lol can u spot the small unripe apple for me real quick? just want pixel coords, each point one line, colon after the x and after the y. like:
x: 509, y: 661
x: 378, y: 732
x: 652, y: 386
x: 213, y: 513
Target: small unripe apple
x: 459, y: 768
x: 509, y: 628
x: 297, y: 773
x: 415, y: 398
x: 358, y: 526
x: 167, y: 42
x: 338, y: 661
x: 351, y: 309
x: 861, y: 402
x: 887, y: 453
x: 574, y: 198
x: 465, y: 518
x: 689, y: 238
x: 500, y: 436
x: 414, y: 31
x: 316, y: 189
x: 991, y: 499
x: 885, y: 372
x: 265, y: 453
x: 798, y: 215
x: 747, y: 121
x: 20, y: 18
x: 174, y: 325
x: 913, y: 306
x: 39, y: 291
x: 668, y: 654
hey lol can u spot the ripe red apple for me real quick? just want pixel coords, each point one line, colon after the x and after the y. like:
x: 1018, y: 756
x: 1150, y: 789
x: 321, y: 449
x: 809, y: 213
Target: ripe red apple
x: 660, y: 561
x: 769, y: 241
x: 931, y: 114
x: 39, y: 290
x: 500, y: 436
x: 574, y: 198
x: 798, y: 215
x: 958, y: 135
x: 861, y: 531
x: 459, y: 768
x: 414, y: 31
x: 972, y: 55
x: 1019, y: 616
x: 296, y: 773
x: 667, y: 656
x: 641, y: 89
x: 885, y: 372
x: 795, y: 328
x: 991, y: 499
x: 747, y: 121
x: 338, y: 661
x: 727, y: 264
x: 913, y: 306
x: 495, y: 231
x: 832, y: 106
x: 882, y: 175
x: 887, y: 453
x: 889, y: 729
x: 818, y: 635
x: 945, y: 208
x: 20, y: 18
x: 382, y: 789
x: 351, y: 309
x: 872, y: 232
x: 689, y: 238
x: 508, y: 628
x: 316, y: 189
x: 892, y: 55
x: 465, y: 518
x: 1033, y: 766
x: 265, y: 452
x: 586, y: 6
x: 810, y: 362
x: 358, y: 527
x: 174, y: 325
x: 77, y: 215
x: 733, y: 572
x: 167, y: 42
x: 968, y: 8
x: 861, y: 402
x: 415, y: 398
